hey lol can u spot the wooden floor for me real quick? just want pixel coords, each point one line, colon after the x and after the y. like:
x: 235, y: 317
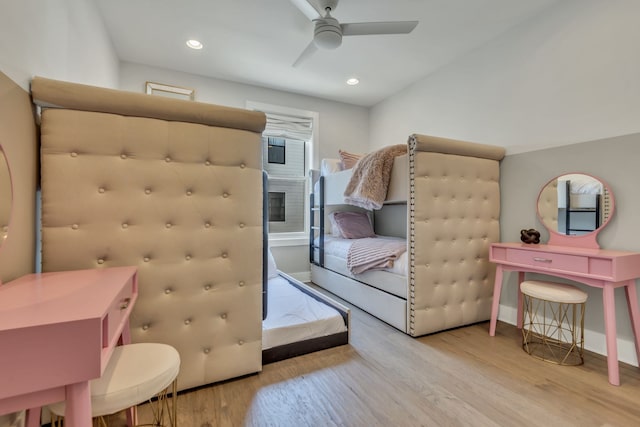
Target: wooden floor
x: 383, y: 377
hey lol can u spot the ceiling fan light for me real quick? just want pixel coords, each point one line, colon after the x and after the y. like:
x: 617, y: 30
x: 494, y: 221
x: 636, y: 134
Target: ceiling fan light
x: 353, y: 81
x: 328, y: 39
x: 327, y: 33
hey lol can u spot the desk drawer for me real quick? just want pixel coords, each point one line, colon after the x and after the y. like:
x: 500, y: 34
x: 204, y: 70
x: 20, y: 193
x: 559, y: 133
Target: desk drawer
x: 117, y: 314
x: 548, y: 261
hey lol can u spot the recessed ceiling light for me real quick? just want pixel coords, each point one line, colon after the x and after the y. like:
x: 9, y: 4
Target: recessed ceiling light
x: 194, y: 44
x: 352, y: 81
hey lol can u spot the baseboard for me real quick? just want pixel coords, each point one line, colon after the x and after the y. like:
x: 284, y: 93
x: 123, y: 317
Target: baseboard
x: 593, y: 341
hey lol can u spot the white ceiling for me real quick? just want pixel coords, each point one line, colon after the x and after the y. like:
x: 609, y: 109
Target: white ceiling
x: 257, y: 41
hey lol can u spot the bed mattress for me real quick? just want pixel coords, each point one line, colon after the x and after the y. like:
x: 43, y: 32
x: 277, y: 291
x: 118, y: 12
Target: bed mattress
x: 294, y: 316
x: 392, y: 280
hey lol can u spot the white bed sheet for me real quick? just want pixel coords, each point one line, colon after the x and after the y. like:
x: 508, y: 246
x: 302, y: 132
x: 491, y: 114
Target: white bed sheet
x: 294, y: 316
x: 340, y: 247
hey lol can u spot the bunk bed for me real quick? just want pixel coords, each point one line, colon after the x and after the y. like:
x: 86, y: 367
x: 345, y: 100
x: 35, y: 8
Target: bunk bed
x: 447, y: 193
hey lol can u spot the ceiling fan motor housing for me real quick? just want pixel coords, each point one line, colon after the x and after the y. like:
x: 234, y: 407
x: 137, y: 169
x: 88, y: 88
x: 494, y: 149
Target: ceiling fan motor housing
x: 328, y: 33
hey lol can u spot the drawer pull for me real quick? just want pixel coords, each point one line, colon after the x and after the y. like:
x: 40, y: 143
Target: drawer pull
x: 538, y: 259
x: 124, y: 304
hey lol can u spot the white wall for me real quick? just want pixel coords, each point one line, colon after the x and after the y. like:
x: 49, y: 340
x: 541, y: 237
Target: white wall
x: 62, y: 39
x: 341, y: 125
x: 567, y: 76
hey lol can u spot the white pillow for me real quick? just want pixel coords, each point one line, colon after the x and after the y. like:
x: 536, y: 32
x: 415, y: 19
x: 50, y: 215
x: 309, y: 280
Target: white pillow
x: 329, y: 166
x: 272, y: 269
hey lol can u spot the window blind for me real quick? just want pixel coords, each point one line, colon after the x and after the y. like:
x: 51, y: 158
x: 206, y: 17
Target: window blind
x: 290, y: 127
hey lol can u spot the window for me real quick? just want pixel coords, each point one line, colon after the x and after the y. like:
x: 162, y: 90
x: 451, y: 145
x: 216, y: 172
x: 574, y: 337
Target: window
x: 287, y: 152
x: 276, y: 151
x: 286, y: 185
x: 276, y: 206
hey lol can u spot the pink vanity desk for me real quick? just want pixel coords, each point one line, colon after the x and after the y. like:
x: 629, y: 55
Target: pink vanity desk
x: 575, y: 256
x: 57, y: 332
x: 603, y: 269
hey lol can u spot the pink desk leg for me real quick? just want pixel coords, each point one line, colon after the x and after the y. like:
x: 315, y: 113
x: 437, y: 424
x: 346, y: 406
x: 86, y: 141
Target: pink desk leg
x: 519, y: 310
x: 634, y: 313
x: 610, y: 332
x: 125, y: 338
x: 497, y: 288
x: 77, y: 412
x: 33, y: 417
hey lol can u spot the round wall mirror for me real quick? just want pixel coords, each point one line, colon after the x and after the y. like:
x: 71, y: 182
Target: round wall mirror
x: 574, y: 208
x: 6, y: 196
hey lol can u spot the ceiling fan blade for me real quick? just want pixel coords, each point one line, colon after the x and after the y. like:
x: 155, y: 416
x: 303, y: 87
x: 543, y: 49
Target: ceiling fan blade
x: 306, y: 53
x: 367, y: 28
x: 308, y: 7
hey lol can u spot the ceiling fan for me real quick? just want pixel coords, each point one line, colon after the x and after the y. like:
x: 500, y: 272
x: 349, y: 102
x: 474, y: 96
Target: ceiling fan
x: 328, y: 31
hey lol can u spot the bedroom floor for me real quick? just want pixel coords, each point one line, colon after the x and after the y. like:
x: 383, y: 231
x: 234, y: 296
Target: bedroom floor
x: 460, y: 377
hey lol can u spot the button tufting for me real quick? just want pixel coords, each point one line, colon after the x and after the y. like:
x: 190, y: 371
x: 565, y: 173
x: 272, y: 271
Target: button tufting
x: 206, y: 350
x: 100, y: 261
x: 147, y: 191
x: 187, y: 321
x: 208, y: 163
x: 74, y: 226
x: 123, y: 156
x: 242, y: 165
x: 224, y: 255
x: 167, y: 159
x: 223, y: 315
x: 145, y: 327
x: 241, y: 283
x: 189, y: 192
x: 125, y: 225
x: 74, y: 154
x: 242, y: 225
x: 188, y: 257
x: 168, y: 225
x: 100, y: 190
x: 207, y: 287
x: 168, y: 291
x: 207, y: 224
x: 146, y: 259
x: 225, y: 195
x: 240, y: 342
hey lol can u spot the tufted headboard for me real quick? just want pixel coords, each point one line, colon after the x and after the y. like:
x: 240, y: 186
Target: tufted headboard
x: 454, y: 214
x: 175, y: 188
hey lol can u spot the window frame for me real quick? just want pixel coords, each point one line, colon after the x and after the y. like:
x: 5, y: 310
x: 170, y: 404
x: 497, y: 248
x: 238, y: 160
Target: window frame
x: 312, y: 149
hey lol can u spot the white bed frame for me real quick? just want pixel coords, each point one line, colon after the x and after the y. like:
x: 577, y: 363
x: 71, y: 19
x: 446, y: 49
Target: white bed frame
x: 452, y: 197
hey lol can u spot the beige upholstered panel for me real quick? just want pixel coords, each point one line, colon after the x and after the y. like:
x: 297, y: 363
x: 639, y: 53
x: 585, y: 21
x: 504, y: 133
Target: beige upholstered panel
x: 454, y: 212
x: 183, y: 202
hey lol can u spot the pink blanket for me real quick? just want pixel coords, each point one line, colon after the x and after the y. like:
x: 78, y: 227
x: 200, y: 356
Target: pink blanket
x: 373, y: 254
x: 370, y: 180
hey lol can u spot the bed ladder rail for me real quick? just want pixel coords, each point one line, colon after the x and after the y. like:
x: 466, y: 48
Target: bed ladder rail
x: 320, y: 228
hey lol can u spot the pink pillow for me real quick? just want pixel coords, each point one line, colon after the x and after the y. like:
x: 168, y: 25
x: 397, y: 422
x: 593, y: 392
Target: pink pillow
x: 353, y: 225
x: 349, y: 160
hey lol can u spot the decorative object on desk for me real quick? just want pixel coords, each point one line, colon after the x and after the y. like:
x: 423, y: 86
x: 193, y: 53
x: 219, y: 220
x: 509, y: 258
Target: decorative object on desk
x: 530, y: 236
x: 169, y: 91
x: 574, y: 208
